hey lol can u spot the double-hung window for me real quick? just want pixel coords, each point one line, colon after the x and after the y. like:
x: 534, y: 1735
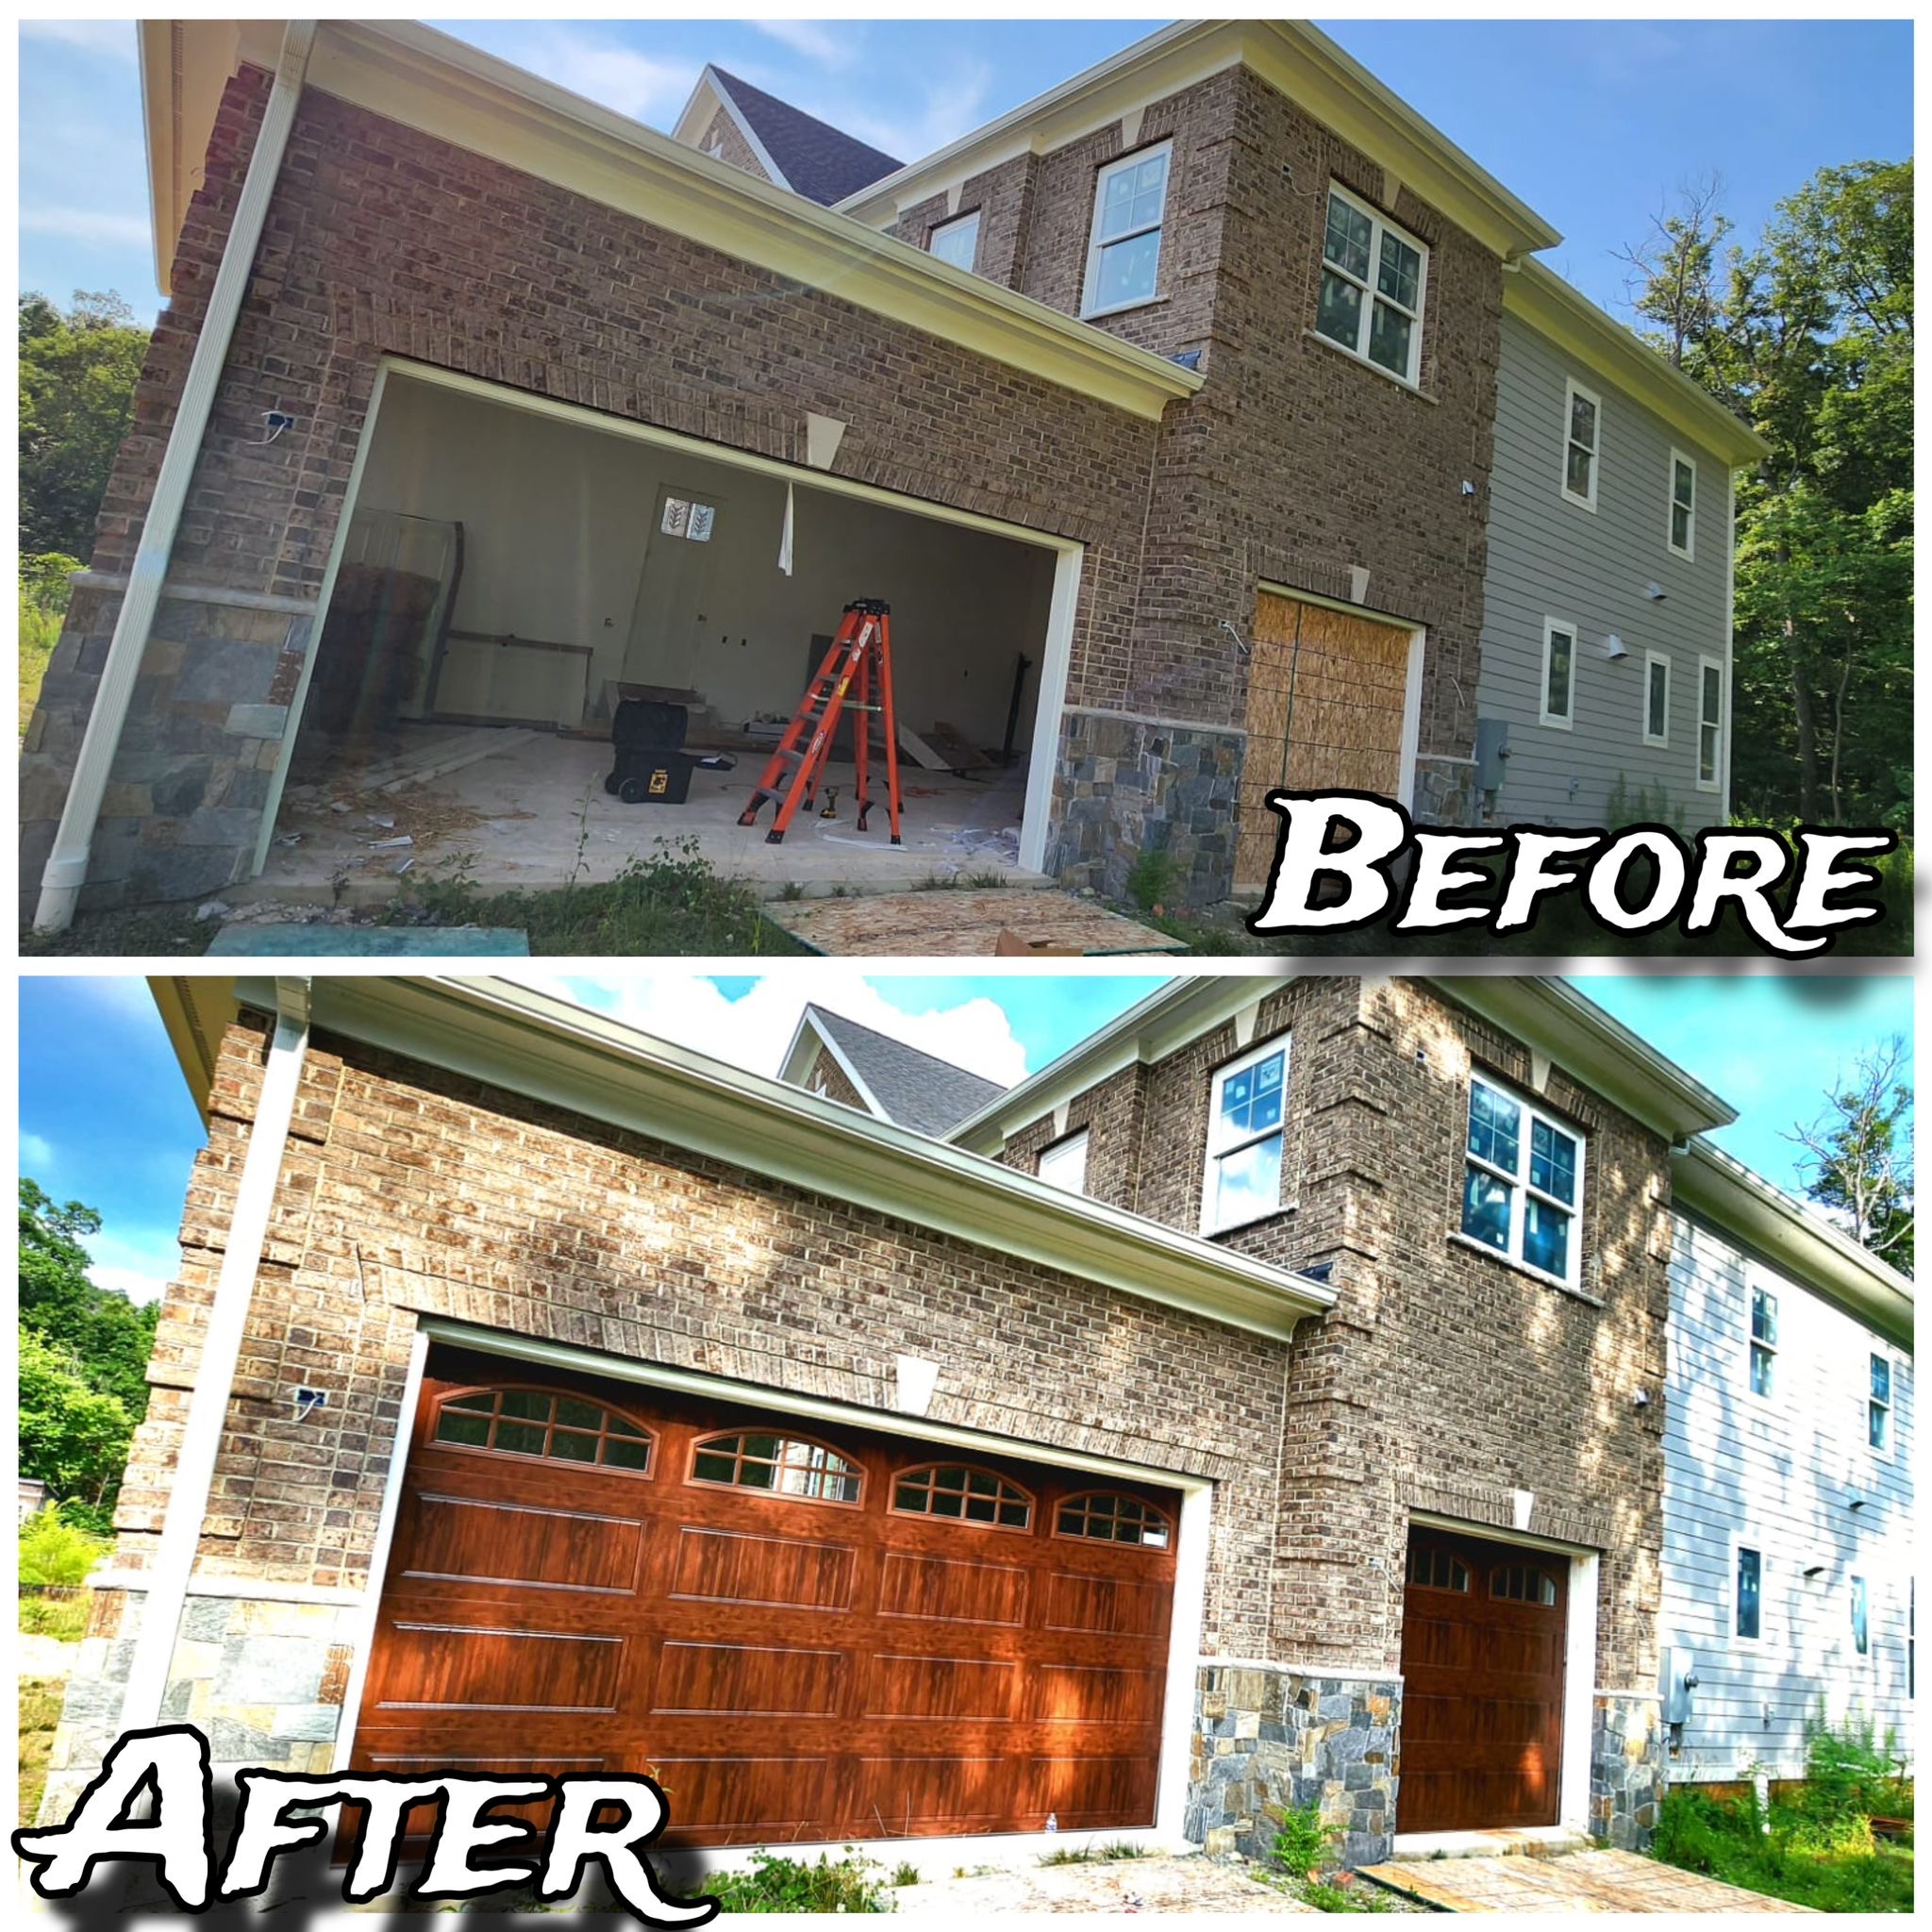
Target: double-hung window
x: 1583, y: 422
x: 1764, y: 1344
x: 1682, y: 530
x: 1711, y: 722
x: 1559, y: 695
x: 1861, y: 1617
x: 1521, y: 1182
x: 957, y: 242
x: 1247, y: 1108
x: 1747, y: 1619
x: 1878, y: 1406
x: 1373, y: 278
x: 1064, y: 1164
x: 1123, y: 253
x: 1657, y: 698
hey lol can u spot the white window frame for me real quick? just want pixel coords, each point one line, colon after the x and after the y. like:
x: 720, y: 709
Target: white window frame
x: 1063, y: 1153
x: 1379, y: 224
x: 1890, y: 1404
x: 1571, y: 390
x: 1731, y: 1631
x: 1220, y: 1146
x: 1688, y: 550
x: 1715, y: 782
x: 1855, y: 1584
x: 1752, y: 1291
x: 1654, y: 661
x: 970, y: 218
x: 1519, y: 1185
x: 1545, y: 715
x: 1088, y: 295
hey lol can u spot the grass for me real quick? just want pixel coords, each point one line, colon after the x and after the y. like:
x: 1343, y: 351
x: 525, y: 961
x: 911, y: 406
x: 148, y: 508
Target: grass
x: 40, y: 1711
x: 1094, y: 1854
x: 40, y: 631
x: 776, y: 1884
x: 63, y: 1617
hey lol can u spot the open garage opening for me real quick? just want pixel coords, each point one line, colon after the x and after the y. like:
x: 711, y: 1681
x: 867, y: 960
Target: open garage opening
x: 510, y: 571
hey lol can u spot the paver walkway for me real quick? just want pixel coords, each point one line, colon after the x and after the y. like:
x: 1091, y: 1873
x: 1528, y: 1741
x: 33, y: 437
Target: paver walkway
x: 1578, y: 1882
x: 1157, y: 1884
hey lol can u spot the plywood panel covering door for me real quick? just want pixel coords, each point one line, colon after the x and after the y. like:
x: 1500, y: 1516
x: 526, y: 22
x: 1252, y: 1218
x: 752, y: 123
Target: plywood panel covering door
x: 804, y: 1634
x: 1483, y: 1640
x: 1327, y: 701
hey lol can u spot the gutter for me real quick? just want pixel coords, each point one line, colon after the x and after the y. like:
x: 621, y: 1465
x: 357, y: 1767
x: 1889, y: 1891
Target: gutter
x: 66, y: 868
x: 166, y: 1578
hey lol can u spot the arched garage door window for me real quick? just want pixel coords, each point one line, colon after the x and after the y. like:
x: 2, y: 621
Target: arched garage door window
x: 548, y: 1425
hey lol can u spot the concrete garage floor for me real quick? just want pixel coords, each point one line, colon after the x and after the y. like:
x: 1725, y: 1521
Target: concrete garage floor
x: 534, y: 814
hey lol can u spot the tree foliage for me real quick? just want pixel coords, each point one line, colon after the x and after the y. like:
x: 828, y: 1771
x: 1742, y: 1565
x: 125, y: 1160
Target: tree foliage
x: 1809, y: 337
x: 1856, y: 1157
x: 77, y: 371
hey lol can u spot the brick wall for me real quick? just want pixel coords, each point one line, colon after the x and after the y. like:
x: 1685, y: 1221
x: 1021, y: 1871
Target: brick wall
x: 725, y: 134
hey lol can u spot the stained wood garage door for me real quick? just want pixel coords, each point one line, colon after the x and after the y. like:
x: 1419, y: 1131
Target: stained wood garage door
x: 802, y: 1633
x: 1483, y: 1627
x: 1328, y: 694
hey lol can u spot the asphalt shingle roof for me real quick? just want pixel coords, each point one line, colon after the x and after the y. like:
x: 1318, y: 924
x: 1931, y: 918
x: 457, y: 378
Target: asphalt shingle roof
x: 916, y: 1090
x: 817, y: 159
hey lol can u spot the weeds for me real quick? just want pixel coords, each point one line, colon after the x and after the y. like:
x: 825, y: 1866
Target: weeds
x: 776, y: 1884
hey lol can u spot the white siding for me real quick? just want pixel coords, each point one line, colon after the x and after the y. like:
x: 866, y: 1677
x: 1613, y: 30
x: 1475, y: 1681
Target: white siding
x: 1548, y: 557
x: 1780, y: 1477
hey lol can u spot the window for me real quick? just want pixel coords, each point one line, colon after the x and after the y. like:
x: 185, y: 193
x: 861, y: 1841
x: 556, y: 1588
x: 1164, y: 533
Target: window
x: 1244, y: 1115
x: 1124, y: 256
x: 1559, y: 696
x: 1372, y: 278
x: 1657, y: 698
x: 532, y: 1422
x: 1523, y: 1182
x: 1683, y: 530
x: 1112, y: 1519
x: 1433, y: 1569
x: 1862, y: 1617
x: 1710, y: 719
x: 685, y: 517
x: 1064, y: 1164
x: 1520, y: 1583
x: 1749, y: 1609
x: 1582, y: 444
x: 1764, y: 1344
x: 967, y: 1495
x: 1878, y: 1406
x: 957, y: 242
x: 781, y: 1463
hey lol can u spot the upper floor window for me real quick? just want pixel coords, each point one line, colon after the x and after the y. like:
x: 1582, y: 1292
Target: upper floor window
x: 1523, y: 1182
x: 971, y: 1496
x: 787, y: 1465
x: 1878, y: 1406
x: 1657, y: 698
x: 1763, y: 1342
x: 1582, y: 443
x: 1064, y: 1164
x: 957, y: 242
x: 1710, y: 722
x: 1559, y: 673
x: 1683, y: 532
x: 1372, y: 279
x: 1110, y: 1518
x: 1244, y: 1139
x: 1862, y: 1617
x: 1748, y: 1610
x: 534, y: 1422
x: 1124, y: 252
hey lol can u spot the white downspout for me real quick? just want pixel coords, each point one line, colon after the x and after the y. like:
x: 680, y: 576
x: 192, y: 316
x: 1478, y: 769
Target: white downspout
x: 66, y: 868
x: 208, y: 1407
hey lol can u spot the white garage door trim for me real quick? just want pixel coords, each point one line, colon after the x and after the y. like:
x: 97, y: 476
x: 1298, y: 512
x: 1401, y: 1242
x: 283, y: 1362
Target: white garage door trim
x: 938, y: 1853
x: 1056, y: 656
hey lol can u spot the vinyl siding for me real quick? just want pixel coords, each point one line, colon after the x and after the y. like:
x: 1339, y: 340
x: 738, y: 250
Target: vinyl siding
x: 1548, y: 557
x: 1779, y: 1477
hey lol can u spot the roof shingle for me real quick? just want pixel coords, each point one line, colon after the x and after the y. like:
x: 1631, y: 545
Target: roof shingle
x: 916, y: 1090
x: 818, y: 161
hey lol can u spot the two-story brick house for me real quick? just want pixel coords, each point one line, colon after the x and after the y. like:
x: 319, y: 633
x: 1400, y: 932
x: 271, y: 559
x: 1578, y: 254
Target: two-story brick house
x: 533, y: 1386
x: 1164, y: 411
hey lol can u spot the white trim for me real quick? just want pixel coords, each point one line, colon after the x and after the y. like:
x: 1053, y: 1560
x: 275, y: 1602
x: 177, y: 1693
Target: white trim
x: 1063, y: 1149
x: 1050, y: 707
x: 970, y: 217
x: 1571, y: 390
x: 1567, y: 720
x: 1579, y: 1691
x: 1091, y: 282
x: 1193, y: 1538
x: 1878, y: 1351
x: 1730, y: 626
x: 1754, y: 1287
x: 1688, y: 551
x: 1217, y: 1148
x: 1719, y: 780
x: 1655, y: 661
x: 1522, y: 1189
x: 1409, y: 375
x: 267, y: 1590
x: 1739, y: 1541
x: 739, y: 119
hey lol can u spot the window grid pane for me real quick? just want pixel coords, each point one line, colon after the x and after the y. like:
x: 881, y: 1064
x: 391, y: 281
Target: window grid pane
x: 969, y: 1495
x: 1106, y: 1517
x: 1750, y: 1593
x: 529, y: 1422
x: 787, y: 1467
x: 1354, y: 243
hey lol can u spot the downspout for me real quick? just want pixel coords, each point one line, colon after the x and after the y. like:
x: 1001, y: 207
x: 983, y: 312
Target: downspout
x: 66, y: 867
x: 167, y: 1576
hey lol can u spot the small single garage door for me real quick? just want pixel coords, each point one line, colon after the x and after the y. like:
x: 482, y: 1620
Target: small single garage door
x: 1483, y: 1645
x: 804, y: 1633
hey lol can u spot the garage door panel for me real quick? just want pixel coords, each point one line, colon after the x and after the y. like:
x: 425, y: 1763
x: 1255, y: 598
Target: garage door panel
x: 473, y: 1540
x: 464, y: 1667
x: 1093, y: 1792
x: 749, y: 1680
x: 926, y: 1796
x: 907, y: 1685
x: 1090, y: 1693
x: 1109, y: 1605
x: 727, y: 1566
x: 718, y: 1798
x: 953, y: 1590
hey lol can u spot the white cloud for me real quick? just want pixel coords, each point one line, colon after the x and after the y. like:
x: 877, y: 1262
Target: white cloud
x: 908, y: 125
x: 598, y: 67
x: 113, y: 36
x: 36, y: 1154
x: 833, y: 46
x: 752, y: 1032
x: 86, y: 225
x: 139, y: 1264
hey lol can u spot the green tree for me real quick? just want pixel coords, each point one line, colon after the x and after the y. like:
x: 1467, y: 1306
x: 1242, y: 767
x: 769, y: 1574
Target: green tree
x: 77, y: 371
x: 98, y: 1327
x: 1855, y: 1158
x: 72, y: 1437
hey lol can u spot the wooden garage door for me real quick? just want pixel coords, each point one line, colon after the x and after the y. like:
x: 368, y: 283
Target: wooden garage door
x: 1328, y: 694
x: 802, y: 1633
x: 1483, y: 1629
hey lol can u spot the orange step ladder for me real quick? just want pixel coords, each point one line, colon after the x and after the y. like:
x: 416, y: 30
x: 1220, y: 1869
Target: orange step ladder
x: 856, y: 676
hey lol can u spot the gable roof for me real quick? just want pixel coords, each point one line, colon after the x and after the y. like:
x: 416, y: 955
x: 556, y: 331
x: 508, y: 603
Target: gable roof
x: 808, y: 156
x: 897, y: 1082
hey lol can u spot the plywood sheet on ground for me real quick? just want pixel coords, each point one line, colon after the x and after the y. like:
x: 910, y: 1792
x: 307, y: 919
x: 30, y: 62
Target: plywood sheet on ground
x: 958, y: 923
x: 1578, y: 1882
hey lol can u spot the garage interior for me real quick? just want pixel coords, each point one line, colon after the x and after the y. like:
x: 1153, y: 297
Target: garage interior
x: 508, y: 576
x: 808, y: 1634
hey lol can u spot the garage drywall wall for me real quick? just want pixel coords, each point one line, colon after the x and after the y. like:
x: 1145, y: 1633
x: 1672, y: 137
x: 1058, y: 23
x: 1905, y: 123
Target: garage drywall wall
x: 560, y: 543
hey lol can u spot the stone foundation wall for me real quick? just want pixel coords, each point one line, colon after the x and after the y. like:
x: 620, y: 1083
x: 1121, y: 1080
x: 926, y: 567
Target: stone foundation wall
x: 1268, y: 1739
x: 1628, y: 1767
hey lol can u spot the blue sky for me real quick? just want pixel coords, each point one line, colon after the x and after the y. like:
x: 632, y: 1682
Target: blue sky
x: 1593, y: 123
x: 105, y: 1119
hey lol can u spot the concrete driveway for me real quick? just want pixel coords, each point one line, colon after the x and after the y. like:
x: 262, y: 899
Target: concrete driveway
x: 1576, y: 1882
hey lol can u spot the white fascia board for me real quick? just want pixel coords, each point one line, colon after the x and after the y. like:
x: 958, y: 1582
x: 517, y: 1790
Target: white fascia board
x: 547, y: 1049
x: 808, y: 1039
x: 707, y: 97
